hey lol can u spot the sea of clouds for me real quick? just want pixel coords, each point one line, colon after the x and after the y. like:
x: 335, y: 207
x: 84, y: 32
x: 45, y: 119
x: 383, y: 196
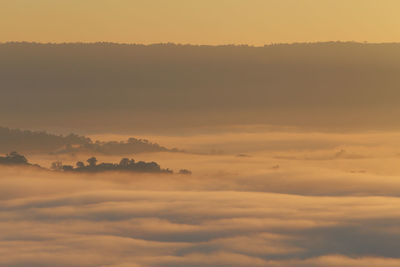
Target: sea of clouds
x: 284, y: 199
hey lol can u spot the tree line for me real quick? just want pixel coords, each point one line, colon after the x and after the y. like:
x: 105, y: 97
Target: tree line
x: 127, y: 165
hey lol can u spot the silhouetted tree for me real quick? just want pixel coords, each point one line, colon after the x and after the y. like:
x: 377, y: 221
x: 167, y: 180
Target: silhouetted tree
x: 92, y: 162
x: 124, y: 162
x: 57, y: 166
x: 67, y: 168
x: 185, y: 172
x: 80, y: 164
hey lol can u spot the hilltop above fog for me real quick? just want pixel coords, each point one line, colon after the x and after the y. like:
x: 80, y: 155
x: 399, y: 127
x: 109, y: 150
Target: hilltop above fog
x: 43, y: 142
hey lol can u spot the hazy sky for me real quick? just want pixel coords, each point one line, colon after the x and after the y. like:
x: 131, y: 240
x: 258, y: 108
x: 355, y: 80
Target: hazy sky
x: 199, y: 22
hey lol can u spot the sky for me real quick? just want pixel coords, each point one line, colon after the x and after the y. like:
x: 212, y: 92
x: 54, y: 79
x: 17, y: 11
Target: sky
x: 254, y: 22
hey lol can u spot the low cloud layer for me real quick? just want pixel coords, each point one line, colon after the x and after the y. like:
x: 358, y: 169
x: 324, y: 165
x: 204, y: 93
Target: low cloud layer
x: 81, y: 222
x: 233, y: 211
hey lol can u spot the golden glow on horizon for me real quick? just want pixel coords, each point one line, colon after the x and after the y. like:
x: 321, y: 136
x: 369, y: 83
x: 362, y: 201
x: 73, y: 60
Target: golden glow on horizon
x: 253, y: 22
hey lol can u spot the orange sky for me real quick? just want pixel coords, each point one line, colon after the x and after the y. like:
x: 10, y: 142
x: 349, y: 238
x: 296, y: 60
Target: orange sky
x: 253, y: 22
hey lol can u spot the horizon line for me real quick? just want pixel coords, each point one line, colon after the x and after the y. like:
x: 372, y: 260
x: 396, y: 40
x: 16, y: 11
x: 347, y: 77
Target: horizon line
x: 199, y: 45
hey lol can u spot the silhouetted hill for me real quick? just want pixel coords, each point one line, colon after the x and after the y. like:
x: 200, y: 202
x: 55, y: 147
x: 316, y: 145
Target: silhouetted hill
x: 127, y: 165
x: 97, y: 86
x: 42, y: 142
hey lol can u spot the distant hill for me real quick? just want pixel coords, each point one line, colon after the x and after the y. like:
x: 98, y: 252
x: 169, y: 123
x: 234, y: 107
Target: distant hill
x: 42, y: 142
x: 159, y: 87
